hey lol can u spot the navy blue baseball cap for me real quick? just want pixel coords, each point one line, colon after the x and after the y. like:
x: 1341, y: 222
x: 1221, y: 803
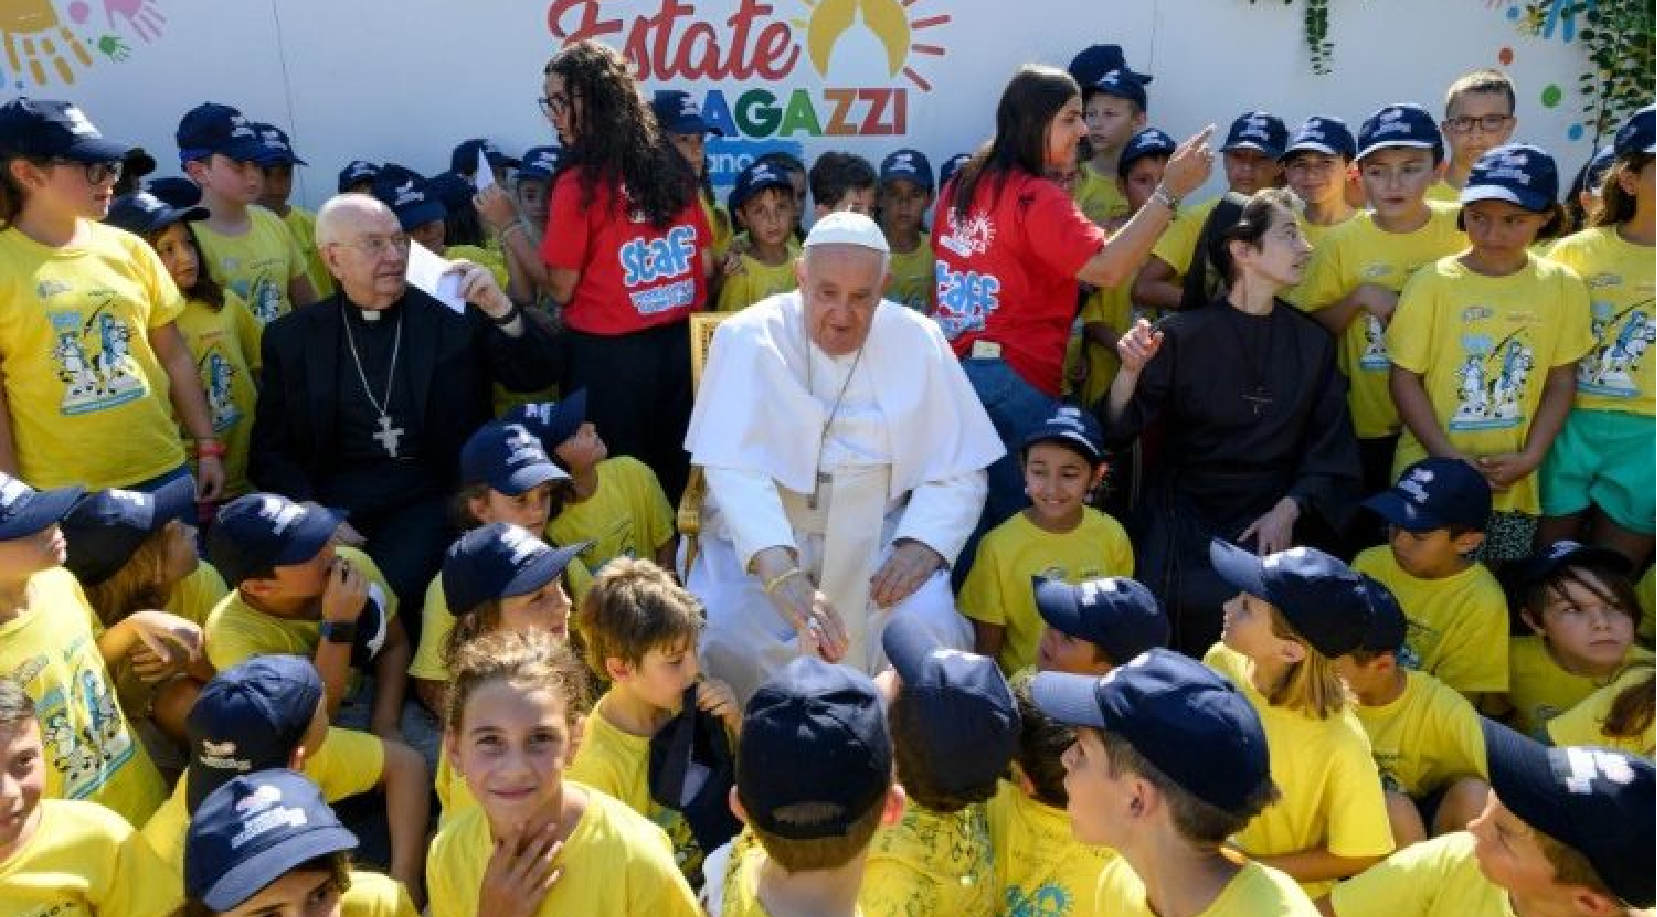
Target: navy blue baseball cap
x: 1539, y: 567
x: 907, y: 165
x: 176, y: 190
x: 1148, y: 142
x: 260, y: 530
x: 58, y: 130
x: 1518, y: 173
x: 254, y: 830
x: 464, y: 159
x: 213, y: 128
x: 107, y: 526
x: 813, y: 735
x: 1596, y: 801
x: 25, y: 511
x: 250, y: 717
x: 1387, y: 625
x: 142, y: 213
x: 552, y: 421
x: 1593, y: 171
x: 1123, y: 83
x: 1435, y: 493
x: 1072, y: 426
x: 507, y: 457
x: 678, y: 113
x: 452, y: 190
x: 1117, y: 614
x: 278, y: 148
x: 952, y: 165
x: 356, y: 172
x: 1322, y: 134
x: 1402, y: 124
x: 1257, y: 130
x: 1321, y: 597
x: 499, y: 560
x: 1094, y: 61
x: 409, y: 195
x: 540, y: 162
x: 1182, y: 716
x: 1638, y: 134
x: 758, y: 177
x: 966, y: 714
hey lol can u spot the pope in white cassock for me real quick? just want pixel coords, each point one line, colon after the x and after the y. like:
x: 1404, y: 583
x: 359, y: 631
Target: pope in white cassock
x: 844, y: 453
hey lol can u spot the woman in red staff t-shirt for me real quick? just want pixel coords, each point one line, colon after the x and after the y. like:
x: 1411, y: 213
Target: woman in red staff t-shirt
x: 1011, y: 249
x: 627, y: 252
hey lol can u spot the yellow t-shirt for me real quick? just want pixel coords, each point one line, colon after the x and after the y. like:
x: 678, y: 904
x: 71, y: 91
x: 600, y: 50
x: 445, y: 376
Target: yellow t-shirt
x: 347, y: 763
x: 437, y: 622
x: 1179, y: 241
x: 225, y: 345
x: 1255, y: 891
x: 301, y: 225
x: 256, y: 265
x: 913, y: 277
x: 1355, y: 253
x: 1098, y: 196
x: 628, y: 516
x: 998, y: 591
x: 1622, y: 281
x: 1332, y: 795
x: 1444, y: 193
x: 1114, y: 306
x: 930, y: 863
x: 88, y: 398
x: 1425, y: 739
x: 1539, y: 690
x: 487, y: 257
x: 237, y: 631
x: 755, y: 280
x: 195, y: 596
x: 1584, y: 724
x: 85, y: 861
x: 617, y: 763
x: 615, y: 863
x: 1483, y: 346
x: 374, y: 895
x: 719, y: 223
x: 1040, y: 866
x: 1435, y: 878
x: 1457, y: 625
x: 50, y: 649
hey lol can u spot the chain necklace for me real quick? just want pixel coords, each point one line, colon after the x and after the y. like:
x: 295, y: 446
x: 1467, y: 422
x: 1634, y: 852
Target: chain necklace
x: 834, y: 411
x: 388, y: 435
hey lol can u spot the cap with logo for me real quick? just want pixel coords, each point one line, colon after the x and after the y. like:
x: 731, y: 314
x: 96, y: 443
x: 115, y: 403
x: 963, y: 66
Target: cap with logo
x: 1404, y: 125
x: 260, y: 530
x: 1094, y: 61
x: 48, y: 129
x: 813, y: 739
x: 500, y: 560
x: 278, y: 148
x: 1435, y: 493
x: 356, y: 172
x: 213, y: 128
x: 1123, y: 83
x: 254, y: 830
x: 108, y: 526
x: 25, y: 511
x: 1543, y: 565
x: 1387, y: 625
x: 250, y: 717
x: 1322, y: 134
x: 143, y: 213
x: 907, y: 165
x: 464, y: 158
x: 952, y: 165
x: 1183, y: 717
x: 678, y: 113
x: 1595, y: 801
x: 1148, y: 142
x: 540, y: 162
x: 846, y: 228
x: 965, y: 715
x: 1261, y: 131
x: 409, y: 195
x: 508, y: 458
x: 1072, y: 427
x: 1593, y: 172
x: 1638, y: 134
x: 1117, y: 614
x: 552, y: 421
x: 1518, y: 173
x: 1322, y: 599
x: 759, y: 176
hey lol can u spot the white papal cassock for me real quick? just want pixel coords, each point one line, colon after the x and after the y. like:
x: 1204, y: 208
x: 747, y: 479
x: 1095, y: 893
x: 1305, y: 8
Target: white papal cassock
x: 902, y: 457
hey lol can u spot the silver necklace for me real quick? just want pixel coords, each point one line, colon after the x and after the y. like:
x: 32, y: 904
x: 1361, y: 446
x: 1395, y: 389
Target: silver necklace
x: 822, y: 438
x: 388, y: 435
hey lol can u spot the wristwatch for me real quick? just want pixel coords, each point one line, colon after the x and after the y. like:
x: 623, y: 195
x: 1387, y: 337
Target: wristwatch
x: 338, y: 631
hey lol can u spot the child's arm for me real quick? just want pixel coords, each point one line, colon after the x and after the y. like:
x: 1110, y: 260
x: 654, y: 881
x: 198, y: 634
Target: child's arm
x: 1157, y: 284
x: 434, y: 694
x: 1366, y: 297
x: 163, y: 634
x: 390, y: 683
x: 407, y: 805
x: 300, y: 291
x: 987, y: 638
x: 190, y: 403
x: 1558, y: 391
x: 342, y: 603
x: 1318, y: 865
x: 1416, y: 410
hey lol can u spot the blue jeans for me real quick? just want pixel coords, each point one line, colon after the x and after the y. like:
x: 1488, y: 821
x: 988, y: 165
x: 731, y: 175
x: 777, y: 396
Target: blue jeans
x: 1015, y: 407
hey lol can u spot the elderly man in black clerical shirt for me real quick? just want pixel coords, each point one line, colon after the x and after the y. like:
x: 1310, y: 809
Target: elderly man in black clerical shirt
x: 368, y: 396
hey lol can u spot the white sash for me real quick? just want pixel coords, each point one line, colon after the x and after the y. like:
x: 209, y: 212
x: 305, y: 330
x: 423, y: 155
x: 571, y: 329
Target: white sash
x: 851, y: 509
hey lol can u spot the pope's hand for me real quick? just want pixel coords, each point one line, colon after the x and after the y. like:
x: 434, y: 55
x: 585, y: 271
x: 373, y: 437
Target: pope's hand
x: 910, y: 564
x: 816, y: 623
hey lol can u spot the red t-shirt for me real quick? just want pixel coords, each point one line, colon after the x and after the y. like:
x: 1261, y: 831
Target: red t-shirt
x: 1008, y: 273
x: 633, y: 275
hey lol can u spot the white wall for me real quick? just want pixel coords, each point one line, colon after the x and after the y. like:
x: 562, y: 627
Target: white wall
x: 406, y: 79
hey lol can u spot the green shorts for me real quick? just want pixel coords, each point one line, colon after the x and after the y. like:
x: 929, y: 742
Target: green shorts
x: 1604, y: 458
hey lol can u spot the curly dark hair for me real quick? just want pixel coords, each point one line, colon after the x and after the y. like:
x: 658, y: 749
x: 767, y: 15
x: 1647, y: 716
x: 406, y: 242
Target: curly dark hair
x: 617, y: 142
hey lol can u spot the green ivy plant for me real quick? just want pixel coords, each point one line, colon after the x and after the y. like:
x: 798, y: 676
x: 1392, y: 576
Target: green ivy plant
x: 1315, y: 20
x: 1616, y: 37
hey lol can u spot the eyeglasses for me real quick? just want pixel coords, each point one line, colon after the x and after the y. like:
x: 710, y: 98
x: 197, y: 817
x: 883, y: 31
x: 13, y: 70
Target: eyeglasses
x: 1490, y: 124
x: 378, y: 246
x: 555, y: 104
x: 97, y: 173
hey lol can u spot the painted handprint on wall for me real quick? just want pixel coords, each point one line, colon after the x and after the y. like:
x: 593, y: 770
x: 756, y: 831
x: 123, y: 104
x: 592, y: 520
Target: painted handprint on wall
x: 142, y: 17
x: 38, y: 45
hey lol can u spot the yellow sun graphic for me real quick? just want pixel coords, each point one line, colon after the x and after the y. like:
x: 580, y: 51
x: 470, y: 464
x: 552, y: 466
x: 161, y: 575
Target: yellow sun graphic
x: 889, y: 20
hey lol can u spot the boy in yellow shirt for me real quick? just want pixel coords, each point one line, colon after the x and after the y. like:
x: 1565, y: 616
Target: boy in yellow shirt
x: 1565, y: 831
x: 277, y: 169
x: 639, y: 631
x: 1315, y: 166
x: 1457, y: 612
x: 1145, y: 777
x: 1058, y: 536
x: 1096, y: 625
x: 763, y: 202
x: 1478, y: 117
x: 63, y: 857
x: 1424, y: 736
x: 1114, y: 107
x: 842, y: 182
x: 906, y: 196
x: 954, y: 726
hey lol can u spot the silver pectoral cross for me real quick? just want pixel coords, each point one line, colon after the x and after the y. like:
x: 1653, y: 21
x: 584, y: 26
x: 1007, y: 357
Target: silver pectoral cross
x: 388, y: 435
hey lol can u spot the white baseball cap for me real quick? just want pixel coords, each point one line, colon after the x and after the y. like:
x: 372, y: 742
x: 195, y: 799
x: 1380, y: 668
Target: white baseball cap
x: 844, y: 228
